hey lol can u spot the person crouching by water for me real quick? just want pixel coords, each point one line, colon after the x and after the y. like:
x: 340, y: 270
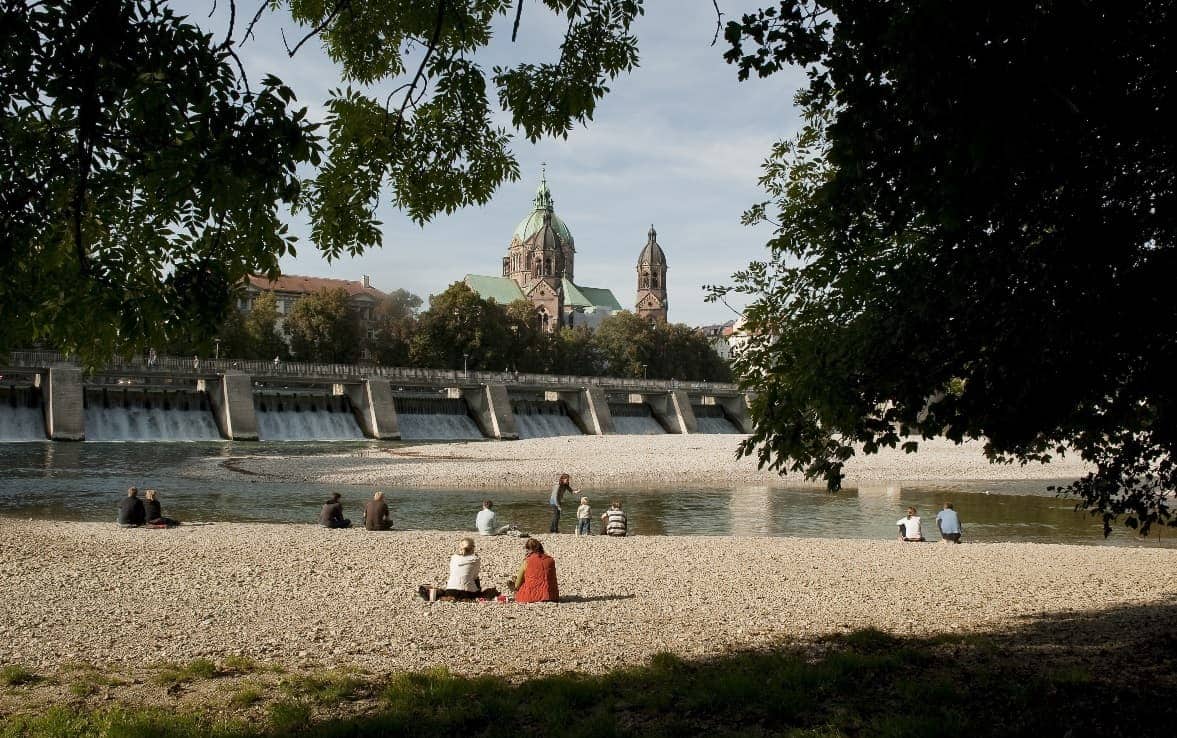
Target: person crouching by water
x: 487, y: 521
x: 909, y: 527
x: 562, y: 487
x: 131, y: 511
x: 613, y: 520
x: 154, y: 513
x: 536, y: 580
x: 376, y: 513
x: 332, y: 514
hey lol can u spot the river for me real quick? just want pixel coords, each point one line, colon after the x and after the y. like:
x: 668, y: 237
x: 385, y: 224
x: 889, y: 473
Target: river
x: 85, y: 481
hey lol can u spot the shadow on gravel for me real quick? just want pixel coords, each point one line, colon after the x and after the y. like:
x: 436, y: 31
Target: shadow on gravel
x: 601, y: 598
x: 1112, y: 673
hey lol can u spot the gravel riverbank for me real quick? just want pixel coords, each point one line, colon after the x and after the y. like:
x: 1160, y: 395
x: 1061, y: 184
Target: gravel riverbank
x: 304, y: 596
x: 631, y: 462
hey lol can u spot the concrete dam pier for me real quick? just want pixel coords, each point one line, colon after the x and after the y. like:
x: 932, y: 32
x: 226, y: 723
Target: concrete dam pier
x: 43, y: 396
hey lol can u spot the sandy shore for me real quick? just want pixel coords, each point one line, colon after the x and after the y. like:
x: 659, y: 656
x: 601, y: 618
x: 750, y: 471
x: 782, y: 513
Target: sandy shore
x: 304, y: 596
x: 632, y: 462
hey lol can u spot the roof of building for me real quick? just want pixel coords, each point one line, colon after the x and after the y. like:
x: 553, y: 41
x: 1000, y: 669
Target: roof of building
x: 589, y: 297
x: 502, y: 290
x: 652, y: 254
x: 534, y: 221
x: 307, y: 285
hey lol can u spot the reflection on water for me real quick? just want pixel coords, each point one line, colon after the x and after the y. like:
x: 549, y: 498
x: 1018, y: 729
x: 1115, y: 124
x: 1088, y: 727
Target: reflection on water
x: 84, y: 481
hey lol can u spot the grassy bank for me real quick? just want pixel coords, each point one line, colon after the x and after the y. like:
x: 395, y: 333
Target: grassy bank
x: 863, y: 684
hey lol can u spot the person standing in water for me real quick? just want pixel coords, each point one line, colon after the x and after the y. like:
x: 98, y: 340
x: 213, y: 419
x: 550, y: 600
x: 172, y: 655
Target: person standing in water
x: 562, y: 487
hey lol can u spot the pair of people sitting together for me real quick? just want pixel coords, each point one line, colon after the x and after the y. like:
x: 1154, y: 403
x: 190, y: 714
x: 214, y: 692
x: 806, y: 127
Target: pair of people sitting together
x: 534, y: 582
x: 134, y: 512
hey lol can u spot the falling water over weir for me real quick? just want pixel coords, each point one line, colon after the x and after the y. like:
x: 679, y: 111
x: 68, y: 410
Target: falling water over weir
x: 21, y: 414
x: 543, y: 419
x: 135, y: 415
x: 305, y: 418
x: 711, y: 419
x: 434, y: 419
x: 634, y: 419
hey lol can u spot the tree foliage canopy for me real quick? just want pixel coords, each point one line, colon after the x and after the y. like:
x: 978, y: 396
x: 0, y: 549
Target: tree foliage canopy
x: 322, y: 327
x: 981, y: 194
x: 141, y: 173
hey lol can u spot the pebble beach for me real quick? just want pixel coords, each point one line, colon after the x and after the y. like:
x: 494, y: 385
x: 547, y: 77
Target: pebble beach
x: 308, y: 597
x: 305, y: 598
x: 631, y: 462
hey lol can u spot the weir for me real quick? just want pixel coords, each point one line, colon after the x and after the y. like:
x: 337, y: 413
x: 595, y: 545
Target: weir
x: 22, y: 418
x: 133, y: 414
x: 434, y: 418
x: 305, y: 417
x: 44, y: 395
x: 635, y: 419
x: 543, y: 419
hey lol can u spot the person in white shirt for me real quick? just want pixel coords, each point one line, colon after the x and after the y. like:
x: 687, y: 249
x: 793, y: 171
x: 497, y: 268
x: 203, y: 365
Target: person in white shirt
x: 909, y: 527
x: 463, y: 583
x: 584, y: 521
x: 487, y: 522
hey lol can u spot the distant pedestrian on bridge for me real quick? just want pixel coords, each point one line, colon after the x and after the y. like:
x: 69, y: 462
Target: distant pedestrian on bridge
x: 195, y: 363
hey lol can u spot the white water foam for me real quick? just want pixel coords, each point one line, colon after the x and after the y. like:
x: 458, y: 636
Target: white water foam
x: 156, y: 424
x: 21, y: 424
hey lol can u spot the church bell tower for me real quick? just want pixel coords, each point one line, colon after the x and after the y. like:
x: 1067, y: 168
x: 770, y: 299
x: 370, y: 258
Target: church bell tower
x: 651, y: 298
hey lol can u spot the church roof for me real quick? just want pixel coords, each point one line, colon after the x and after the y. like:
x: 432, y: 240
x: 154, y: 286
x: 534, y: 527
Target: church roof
x: 652, y: 253
x: 589, y: 297
x: 534, y: 221
x: 502, y: 290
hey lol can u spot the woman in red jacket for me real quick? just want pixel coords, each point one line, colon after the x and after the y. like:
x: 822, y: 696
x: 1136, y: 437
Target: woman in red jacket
x: 536, y: 580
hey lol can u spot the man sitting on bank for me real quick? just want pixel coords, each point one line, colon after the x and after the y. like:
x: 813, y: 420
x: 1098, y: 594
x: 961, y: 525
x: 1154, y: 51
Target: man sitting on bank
x: 331, y: 515
x: 376, y: 513
x: 487, y: 522
x: 131, y: 511
x: 613, y: 520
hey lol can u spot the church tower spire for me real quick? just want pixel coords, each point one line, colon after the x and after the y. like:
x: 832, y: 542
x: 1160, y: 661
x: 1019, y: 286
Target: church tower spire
x: 651, y: 296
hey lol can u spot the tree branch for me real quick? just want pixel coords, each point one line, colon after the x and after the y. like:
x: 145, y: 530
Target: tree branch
x: 437, y: 25
x: 256, y: 17
x: 340, y: 5
x: 518, y: 16
x: 718, y: 22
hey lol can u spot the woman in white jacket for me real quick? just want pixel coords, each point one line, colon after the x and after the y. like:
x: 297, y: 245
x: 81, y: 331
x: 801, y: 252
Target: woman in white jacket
x: 463, y: 583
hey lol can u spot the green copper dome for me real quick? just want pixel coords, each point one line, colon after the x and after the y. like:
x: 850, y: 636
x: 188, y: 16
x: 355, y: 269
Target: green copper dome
x: 534, y: 221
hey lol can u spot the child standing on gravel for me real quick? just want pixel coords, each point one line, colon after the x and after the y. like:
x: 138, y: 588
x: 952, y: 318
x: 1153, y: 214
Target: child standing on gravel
x: 583, y: 518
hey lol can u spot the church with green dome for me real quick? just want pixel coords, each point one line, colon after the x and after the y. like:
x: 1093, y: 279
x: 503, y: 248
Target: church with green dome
x: 539, y: 267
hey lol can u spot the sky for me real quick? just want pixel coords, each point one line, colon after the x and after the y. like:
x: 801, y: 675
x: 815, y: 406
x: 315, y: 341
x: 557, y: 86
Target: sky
x: 676, y: 144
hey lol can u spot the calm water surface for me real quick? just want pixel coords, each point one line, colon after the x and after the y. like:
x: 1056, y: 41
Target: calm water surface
x: 85, y: 481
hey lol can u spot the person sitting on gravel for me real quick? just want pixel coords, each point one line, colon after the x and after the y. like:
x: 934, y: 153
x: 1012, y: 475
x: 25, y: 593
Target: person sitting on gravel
x: 154, y: 514
x: 376, y: 513
x: 332, y: 514
x: 613, y: 520
x: 463, y: 583
x: 536, y: 580
x: 487, y: 521
x: 131, y: 512
x: 949, y: 524
x: 909, y: 527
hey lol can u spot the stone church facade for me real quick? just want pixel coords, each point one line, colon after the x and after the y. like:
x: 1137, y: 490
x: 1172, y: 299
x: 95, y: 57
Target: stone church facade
x: 540, y: 266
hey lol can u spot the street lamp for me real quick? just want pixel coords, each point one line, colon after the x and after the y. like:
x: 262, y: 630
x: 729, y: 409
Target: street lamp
x: 464, y: 358
x: 643, y: 371
x: 217, y: 341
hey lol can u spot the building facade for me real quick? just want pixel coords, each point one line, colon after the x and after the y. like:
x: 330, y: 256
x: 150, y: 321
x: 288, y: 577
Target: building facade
x: 290, y: 288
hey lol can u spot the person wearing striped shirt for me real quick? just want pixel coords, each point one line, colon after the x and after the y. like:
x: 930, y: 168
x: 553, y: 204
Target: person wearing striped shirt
x: 613, y: 520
